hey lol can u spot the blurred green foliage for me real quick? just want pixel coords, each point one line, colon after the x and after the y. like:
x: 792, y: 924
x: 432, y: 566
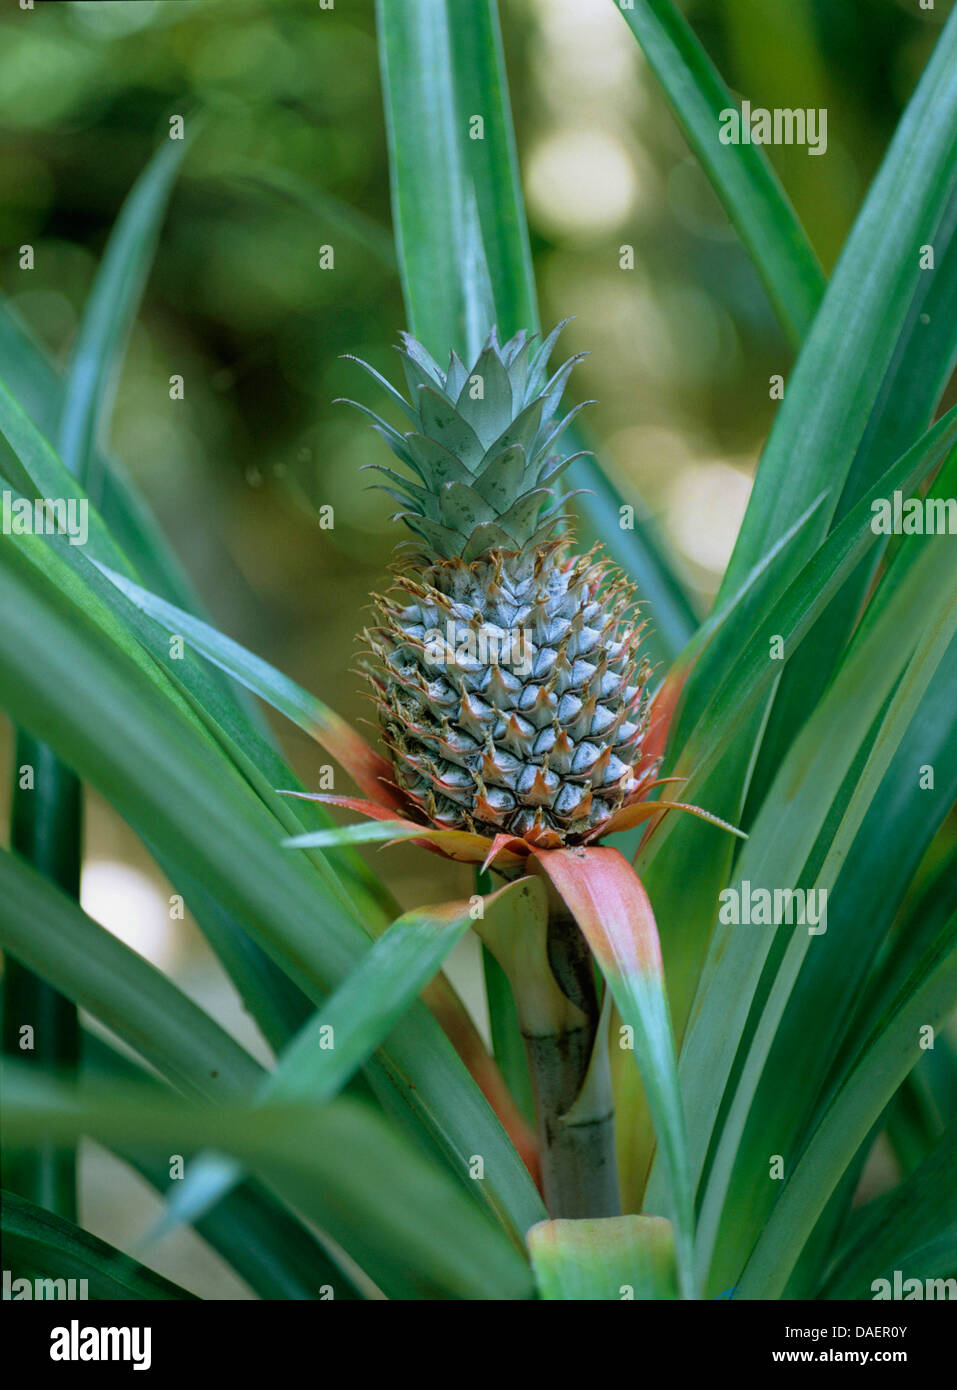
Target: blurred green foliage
x: 238, y: 304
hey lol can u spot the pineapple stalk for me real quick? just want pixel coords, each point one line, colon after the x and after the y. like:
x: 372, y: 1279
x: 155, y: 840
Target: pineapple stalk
x: 564, y: 1031
x: 571, y: 1086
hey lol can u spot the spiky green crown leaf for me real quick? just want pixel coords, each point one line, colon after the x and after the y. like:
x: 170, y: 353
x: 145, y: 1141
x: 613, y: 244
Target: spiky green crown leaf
x: 480, y: 446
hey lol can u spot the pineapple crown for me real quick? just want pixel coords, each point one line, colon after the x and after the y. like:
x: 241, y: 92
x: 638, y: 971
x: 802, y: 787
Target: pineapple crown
x: 481, y: 446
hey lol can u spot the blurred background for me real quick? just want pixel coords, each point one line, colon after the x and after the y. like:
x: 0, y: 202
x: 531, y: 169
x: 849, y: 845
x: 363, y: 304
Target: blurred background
x: 682, y: 347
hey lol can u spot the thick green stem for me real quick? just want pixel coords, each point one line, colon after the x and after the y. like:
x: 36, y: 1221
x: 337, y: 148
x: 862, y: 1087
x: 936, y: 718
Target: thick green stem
x: 564, y: 1030
x: 571, y: 1087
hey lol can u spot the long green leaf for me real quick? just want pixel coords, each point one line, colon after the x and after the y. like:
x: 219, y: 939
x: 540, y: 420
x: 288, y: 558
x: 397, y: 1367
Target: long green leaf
x: 792, y: 617
x: 45, y: 930
x: 829, y: 400
x: 362, y: 833
x: 215, y: 707
x: 438, y: 239
x: 941, y: 626
x: 210, y: 714
x: 270, y: 995
x: 840, y: 371
x: 47, y: 816
x: 682, y: 887
x: 885, y: 1058
x: 915, y: 380
x: 110, y: 311
x: 684, y: 948
x: 804, y: 1064
x: 102, y: 334
x: 810, y: 778
x: 397, y: 1213
x: 893, y: 1230
x: 46, y: 822
x: 298, y: 705
x: 741, y: 174
x: 35, y: 382
x: 37, y: 1245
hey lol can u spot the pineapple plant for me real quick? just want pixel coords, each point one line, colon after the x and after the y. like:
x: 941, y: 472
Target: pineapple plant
x: 611, y: 1134
x: 515, y: 708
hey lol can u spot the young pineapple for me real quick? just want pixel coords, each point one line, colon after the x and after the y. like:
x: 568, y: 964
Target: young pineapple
x: 509, y: 688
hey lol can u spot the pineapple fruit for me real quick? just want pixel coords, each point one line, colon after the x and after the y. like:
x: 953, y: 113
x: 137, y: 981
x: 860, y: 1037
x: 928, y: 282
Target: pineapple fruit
x: 506, y: 672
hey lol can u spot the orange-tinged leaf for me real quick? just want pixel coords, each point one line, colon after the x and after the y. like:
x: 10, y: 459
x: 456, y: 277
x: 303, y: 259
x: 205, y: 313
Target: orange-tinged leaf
x: 461, y: 845
x: 610, y: 905
x: 661, y: 716
x: 368, y: 769
x: 630, y: 816
x: 702, y: 814
x: 507, y: 847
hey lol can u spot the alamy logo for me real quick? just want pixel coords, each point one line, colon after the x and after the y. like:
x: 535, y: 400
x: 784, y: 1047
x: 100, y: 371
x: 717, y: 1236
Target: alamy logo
x: 782, y: 126
x: 914, y: 1288
x: 44, y: 1289
x: 46, y: 516
x: 762, y: 907
x: 76, y: 1343
x: 914, y: 516
x: 475, y: 648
